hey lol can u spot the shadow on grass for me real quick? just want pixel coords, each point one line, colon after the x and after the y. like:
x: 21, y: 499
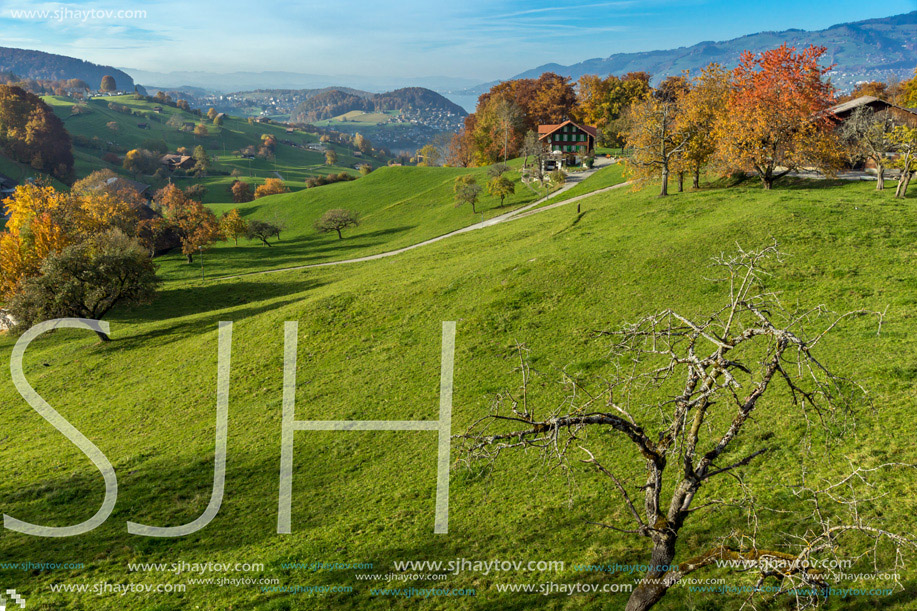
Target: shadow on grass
x: 196, y: 327
x: 183, y: 301
x: 158, y: 492
x: 203, y: 307
x: 751, y: 181
x: 300, y: 250
x: 799, y: 183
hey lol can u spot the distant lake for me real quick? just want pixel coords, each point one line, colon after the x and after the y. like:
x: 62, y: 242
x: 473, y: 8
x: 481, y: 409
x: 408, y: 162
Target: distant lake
x: 468, y: 102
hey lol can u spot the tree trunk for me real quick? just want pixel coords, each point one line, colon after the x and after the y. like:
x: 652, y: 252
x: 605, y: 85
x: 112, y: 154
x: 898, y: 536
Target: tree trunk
x: 903, y: 183
x: 880, y: 177
x: 647, y: 594
x: 664, y: 190
x: 473, y: 211
x: 904, y: 176
x: 681, y: 182
x: 190, y: 257
x: 340, y: 237
x: 505, y: 142
x: 103, y: 336
x: 695, y: 184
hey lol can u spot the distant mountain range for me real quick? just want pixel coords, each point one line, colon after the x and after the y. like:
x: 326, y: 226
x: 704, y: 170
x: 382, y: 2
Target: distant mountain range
x: 39, y: 65
x: 874, y: 49
x: 243, y: 81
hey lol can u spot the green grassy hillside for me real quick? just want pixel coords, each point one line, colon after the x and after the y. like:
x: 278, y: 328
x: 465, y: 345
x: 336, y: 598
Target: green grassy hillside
x: 359, y: 118
x: 21, y: 172
x: 398, y: 206
x: 292, y: 163
x: 369, y: 346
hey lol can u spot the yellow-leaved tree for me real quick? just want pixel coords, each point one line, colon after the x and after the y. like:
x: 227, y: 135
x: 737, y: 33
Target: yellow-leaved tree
x: 701, y: 107
x: 43, y: 221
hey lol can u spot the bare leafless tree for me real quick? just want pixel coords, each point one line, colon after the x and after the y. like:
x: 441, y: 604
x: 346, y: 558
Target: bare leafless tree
x: 531, y: 147
x: 509, y: 117
x: 686, y: 398
x: 868, y: 136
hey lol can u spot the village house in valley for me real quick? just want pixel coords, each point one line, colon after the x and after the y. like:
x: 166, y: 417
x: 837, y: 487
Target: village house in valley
x: 175, y: 162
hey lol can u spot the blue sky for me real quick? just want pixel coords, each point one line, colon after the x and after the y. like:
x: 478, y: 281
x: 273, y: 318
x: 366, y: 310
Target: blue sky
x: 476, y: 39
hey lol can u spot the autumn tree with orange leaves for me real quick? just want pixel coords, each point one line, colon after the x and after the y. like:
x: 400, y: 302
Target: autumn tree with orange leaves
x: 460, y: 152
x: 775, y: 121
x: 504, y: 114
x: 196, y: 225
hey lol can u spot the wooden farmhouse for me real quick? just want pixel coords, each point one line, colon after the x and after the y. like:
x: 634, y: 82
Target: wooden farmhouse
x: 567, y: 143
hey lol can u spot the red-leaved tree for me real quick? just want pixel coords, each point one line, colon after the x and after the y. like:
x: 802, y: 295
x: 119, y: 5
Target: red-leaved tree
x: 775, y: 121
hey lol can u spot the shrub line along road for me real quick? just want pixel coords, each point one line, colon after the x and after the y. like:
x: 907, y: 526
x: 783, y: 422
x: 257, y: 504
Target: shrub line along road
x: 522, y: 212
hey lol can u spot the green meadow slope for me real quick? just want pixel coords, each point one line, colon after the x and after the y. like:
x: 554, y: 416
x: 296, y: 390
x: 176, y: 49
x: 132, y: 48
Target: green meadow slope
x: 369, y: 348
x: 293, y: 163
x: 398, y: 206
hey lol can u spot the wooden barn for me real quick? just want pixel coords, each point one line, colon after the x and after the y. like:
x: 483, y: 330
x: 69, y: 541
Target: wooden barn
x: 906, y: 116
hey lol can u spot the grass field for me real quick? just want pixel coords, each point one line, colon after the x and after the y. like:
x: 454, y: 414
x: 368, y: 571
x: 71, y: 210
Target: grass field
x: 292, y: 163
x: 21, y: 172
x: 358, y: 118
x: 369, y: 348
x: 398, y: 206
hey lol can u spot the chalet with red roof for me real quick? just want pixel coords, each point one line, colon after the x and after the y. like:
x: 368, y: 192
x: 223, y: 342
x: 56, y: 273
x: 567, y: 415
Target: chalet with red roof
x: 568, y: 143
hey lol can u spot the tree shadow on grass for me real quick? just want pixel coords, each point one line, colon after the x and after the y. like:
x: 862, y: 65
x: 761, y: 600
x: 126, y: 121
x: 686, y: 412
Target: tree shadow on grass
x: 300, y: 250
x: 751, y: 181
x: 797, y: 183
x: 196, y: 326
x: 197, y: 310
x: 180, y: 301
